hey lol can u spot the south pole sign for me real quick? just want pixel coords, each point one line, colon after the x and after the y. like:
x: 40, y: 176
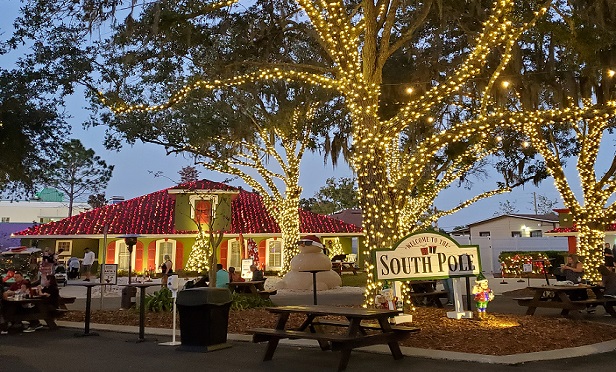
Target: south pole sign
x: 429, y: 255
x: 426, y: 255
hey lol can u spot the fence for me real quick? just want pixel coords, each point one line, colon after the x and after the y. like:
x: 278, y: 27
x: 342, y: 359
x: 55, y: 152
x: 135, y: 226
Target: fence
x: 489, y: 249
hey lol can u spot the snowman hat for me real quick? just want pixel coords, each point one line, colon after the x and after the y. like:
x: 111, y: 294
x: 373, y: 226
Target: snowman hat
x: 311, y: 240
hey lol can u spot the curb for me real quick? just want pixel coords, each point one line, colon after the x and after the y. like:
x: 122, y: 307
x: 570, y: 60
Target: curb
x: 602, y: 347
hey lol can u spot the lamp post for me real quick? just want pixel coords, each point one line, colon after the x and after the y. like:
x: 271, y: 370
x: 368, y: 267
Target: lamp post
x: 130, y: 240
x: 129, y: 292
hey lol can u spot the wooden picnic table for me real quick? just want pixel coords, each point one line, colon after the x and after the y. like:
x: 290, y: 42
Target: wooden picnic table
x: 341, y: 267
x: 13, y: 310
x: 426, y: 289
x: 559, y: 297
x: 356, y: 331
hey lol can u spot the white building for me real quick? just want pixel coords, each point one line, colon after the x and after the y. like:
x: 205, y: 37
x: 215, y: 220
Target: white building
x: 511, y: 232
x: 37, y: 211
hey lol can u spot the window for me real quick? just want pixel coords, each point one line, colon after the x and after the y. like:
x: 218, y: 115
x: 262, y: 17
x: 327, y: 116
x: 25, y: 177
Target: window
x: 234, y: 254
x: 163, y: 248
x: 516, y: 234
x: 484, y: 233
x: 203, y: 211
x: 536, y: 234
x: 65, y: 245
x: 203, y: 207
x: 122, y: 256
x: 6, y: 219
x: 274, y: 254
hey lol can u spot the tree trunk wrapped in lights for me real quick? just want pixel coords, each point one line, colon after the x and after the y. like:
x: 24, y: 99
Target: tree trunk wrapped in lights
x: 588, y: 125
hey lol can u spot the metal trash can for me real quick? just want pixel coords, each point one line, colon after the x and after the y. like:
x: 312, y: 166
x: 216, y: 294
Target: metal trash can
x: 204, y: 318
x: 129, y: 297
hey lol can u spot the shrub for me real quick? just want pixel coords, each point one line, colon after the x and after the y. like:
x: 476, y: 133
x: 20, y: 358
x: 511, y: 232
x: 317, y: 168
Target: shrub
x: 512, y: 262
x: 246, y: 301
x: 159, y: 301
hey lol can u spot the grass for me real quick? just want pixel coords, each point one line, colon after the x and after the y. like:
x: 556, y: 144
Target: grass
x: 350, y: 280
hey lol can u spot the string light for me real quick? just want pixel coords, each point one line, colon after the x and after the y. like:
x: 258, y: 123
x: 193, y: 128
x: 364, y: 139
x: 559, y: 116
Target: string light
x: 387, y: 176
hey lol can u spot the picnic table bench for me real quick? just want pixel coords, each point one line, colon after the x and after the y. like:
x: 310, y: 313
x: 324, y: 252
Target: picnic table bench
x: 559, y: 297
x: 425, y: 289
x: 357, y: 334
x: 13, y: 310
x: 344, y: 267
x: 62, y: 301
x: 255, y: 288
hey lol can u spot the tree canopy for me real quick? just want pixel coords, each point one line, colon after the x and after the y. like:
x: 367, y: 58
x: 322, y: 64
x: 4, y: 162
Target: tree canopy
x: 77, y: 171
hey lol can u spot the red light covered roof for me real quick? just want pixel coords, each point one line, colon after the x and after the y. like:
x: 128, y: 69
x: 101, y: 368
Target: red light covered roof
x: 153, y: 214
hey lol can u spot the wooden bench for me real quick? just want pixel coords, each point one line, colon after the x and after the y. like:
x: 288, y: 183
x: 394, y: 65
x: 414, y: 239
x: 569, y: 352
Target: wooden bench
x: 62, y: 301
x: 354, y: 337
x: 432, y: 298
x: 266, y: 294
x: 14, y: 312
x: 371, y: 326
x: 344, y: 267
x: 338, y: 342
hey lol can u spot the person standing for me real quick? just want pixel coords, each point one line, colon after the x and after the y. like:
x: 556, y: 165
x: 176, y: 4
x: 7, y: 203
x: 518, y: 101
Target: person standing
x: 167, y: 269
x: 47, y: 266
x: 609, y: 256
x: 88, y: 261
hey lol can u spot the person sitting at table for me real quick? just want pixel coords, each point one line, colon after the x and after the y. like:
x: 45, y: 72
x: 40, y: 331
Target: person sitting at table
x: 19, y: 278
x: 257, y: 276
x: 51, y: 291
x: 234, y: 276
x: 608, y: 281
x: 573, y: 271
x: 222, y: 277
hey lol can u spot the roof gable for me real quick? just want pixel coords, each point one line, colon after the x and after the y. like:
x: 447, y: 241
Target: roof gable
x: 550, y: 218
x: 153, y: 214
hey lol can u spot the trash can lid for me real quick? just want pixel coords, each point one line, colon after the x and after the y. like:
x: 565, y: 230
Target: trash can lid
x: 203, y: 296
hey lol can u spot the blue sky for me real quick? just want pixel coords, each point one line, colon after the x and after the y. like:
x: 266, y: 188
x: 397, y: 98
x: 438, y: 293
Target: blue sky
x: 135, y: 165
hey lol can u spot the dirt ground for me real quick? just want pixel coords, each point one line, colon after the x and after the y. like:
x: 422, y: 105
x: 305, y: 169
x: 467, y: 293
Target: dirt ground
x: 500, y: 334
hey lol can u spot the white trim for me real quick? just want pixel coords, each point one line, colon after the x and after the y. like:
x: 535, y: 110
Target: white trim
x: 176, y: 236
x: 242, y: 249
x: 70, y: 247
x: 207, y: 197
x: 117, y: 253
x: 201, y: 191
x: 267, y: 254
x: 157, y: 262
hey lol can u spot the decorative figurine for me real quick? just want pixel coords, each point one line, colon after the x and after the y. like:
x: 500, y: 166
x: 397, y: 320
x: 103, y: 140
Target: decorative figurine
x: 482, y: 294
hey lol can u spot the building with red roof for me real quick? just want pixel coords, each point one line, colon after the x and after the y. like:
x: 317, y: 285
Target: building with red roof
x: 166, y: 223
x: 568, y: 228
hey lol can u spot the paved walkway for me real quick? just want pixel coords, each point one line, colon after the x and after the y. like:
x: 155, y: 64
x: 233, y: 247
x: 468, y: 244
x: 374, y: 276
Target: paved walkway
x: 116, y: 349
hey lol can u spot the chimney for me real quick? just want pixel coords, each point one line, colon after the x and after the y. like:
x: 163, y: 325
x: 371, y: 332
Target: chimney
x: 117, y: 199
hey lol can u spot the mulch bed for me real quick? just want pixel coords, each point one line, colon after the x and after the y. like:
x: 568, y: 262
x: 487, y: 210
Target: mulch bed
x: 500, y: 334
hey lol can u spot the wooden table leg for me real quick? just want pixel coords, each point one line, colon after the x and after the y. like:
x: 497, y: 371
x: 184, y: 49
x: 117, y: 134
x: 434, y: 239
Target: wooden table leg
x: 272, y: 344
x: 394, y: 346
x: 532, y: 306
x: 271, y: 348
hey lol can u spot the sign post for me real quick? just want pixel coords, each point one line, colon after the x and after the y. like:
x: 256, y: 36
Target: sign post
x: 429, y: 255
x: 110, y: 274
x: 246, y: 273
x: 173, y: 283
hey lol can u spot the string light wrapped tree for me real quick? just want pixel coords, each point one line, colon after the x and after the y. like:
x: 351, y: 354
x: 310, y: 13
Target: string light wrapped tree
x: 358, y: 45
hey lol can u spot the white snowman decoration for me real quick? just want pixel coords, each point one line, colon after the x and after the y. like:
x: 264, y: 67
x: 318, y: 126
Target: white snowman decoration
x: 310, y: 257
